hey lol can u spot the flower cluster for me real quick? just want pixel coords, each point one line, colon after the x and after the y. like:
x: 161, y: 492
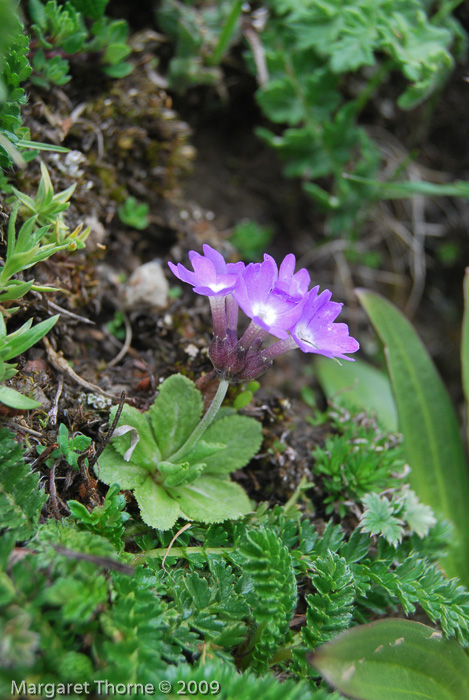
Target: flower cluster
x: 277, y: 300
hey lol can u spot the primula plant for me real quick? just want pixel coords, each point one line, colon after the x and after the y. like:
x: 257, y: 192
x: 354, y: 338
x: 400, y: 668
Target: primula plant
x: 178, y: 462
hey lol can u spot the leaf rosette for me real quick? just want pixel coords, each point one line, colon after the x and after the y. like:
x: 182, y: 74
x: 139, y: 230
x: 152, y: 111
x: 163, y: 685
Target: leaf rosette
x: 196, y: 486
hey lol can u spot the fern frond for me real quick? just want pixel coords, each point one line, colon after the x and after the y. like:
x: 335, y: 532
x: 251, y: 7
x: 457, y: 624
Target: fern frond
x: 270, y: 567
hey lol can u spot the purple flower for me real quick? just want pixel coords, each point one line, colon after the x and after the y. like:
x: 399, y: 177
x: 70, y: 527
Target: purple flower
x: 315, y: 331
x: 293, y: 285
x: 273, y: 301
x: 212, y: 276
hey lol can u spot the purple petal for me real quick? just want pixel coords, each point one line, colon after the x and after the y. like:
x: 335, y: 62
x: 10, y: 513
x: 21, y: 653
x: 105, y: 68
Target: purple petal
x: 182, y: 273
x: 316, y: 331
x: 217, y: 258
x: 287, y: 267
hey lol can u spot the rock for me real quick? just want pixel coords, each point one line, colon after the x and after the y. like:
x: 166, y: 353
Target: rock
x: 146, y: 286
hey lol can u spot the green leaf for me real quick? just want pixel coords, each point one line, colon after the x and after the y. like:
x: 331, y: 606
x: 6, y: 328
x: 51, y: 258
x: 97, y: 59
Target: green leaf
x: 358, y: 385
x: 418, y: 516
x: 94, y: 9
x: 203, y: 450
x: 379, y: 519
x: 145, y: 453
x: 241, y: 437
x: 392, y: 659
x: 115, y: 53
x: 26, y: 337
x: 12, y: 398
x: 268, y: 564
x: 157, y: 508
x: 21, y: 499
x: 118, y: 71
x: 212, y: 500
x: 175, y: 413
x: 330, y: 608
x: 403, y: 190
x: 15, y: 290
x: 427, y: 420
x: 112, y: 468
x: 180, y: 474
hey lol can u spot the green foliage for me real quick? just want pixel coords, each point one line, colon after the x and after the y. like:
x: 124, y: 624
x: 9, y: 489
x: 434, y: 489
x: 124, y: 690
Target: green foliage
x: 244, y: 398
x: 228, y: 593
x: 46, y: 210
x: 358, y: 386
x: 68, y: 448
x: 359, y: 459
x: 94, y: 9
x: 308, y: 46
x: 379, y: 518
x: 202, y: 37
x: 8, y: 25
x: 21, y: 499
x: 395, y: 658
x: 194, y: 485
x: 330, y: 608
x: 269, y: 567
x: 213, y: 604
x: 309, y: 51
x: 11, y: 346
x: 61, y: 31
x: 106, y: 520
x: 134, y: 214
x: 15, y: 69
x: 429, y: 425
x: 251, y: 239
x: 389, y: 517
x: 30, y: 245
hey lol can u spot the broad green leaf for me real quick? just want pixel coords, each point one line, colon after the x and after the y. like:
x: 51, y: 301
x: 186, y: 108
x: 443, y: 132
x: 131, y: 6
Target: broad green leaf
x: 146, y: 453
x: 428, y: 423
x: 157, y: 508
x: 465, y: 346
x: 212, y: 500
x: 204, y: 449
x: 12, y: 398
x: 392, y: 659
x: 175, y: 413
x: 358, y: 385
x: 112, y: 468
x: 241, y: 437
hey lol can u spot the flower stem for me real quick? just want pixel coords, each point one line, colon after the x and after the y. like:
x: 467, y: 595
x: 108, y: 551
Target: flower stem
x: 280, y: 348
x: 200, y: 429
x: 217, y: 306
x: 252, y: 333
x: 232, y: 310
x: 181, y: 552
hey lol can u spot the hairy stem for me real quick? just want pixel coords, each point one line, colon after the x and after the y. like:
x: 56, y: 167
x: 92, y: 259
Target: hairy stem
x: 280, y: 348
x: 217, y: 306
x: 200, y: 429
x: 181, y: 552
